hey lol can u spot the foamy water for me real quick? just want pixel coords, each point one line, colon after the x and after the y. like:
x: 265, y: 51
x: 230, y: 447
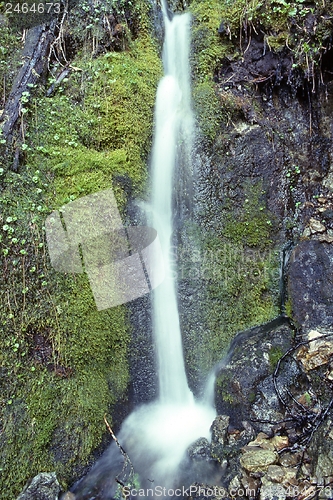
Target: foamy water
x: 157, y: 436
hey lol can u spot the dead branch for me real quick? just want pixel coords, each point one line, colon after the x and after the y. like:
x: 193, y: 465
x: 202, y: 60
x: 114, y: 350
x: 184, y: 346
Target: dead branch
x: 57, y: 47
x: 127, y: 476
x: 35, y: 52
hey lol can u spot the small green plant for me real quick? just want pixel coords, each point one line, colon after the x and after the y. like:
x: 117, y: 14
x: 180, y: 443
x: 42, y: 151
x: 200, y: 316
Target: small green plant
x: 274, y: 354
x: 307, y: 398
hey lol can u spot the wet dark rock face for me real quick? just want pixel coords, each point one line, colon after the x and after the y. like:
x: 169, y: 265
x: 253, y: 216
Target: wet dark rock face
x: 279, y: 133
x: 310, y: 283
x: 259, y: 65
x: 143, y: 385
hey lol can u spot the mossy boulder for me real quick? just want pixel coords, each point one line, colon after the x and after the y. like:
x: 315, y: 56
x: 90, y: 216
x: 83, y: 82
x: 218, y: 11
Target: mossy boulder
x: 244, y: 385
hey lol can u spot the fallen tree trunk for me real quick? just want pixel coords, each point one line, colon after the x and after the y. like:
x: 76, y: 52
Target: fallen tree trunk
x: 35, y: 54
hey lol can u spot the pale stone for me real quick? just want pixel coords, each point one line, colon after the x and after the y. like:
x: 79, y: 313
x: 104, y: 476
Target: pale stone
x: 259, y: 440
x: 68, y: 496
x: 317, y: 353
x: 306, y: 232
x: 316, y: 226
x: 275, y: 473
x: 312, y: 335
x: 288, y: 459
x: 280, y: 442
x: 326, y: 238
x: 258, y: 460
x: 279, y: 474
x: 328, y: 181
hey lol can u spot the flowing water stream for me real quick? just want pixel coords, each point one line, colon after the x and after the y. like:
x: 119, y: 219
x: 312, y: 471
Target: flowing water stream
x: 156, y: 435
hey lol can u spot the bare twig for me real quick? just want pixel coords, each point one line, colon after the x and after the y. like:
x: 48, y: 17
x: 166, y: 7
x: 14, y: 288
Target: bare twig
x: 127, y: 477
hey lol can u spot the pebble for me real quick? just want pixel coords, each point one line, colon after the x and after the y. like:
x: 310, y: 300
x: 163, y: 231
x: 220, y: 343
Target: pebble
x: 307, y: 232
x: 316, y: 226
x: 318, y: 353
x: 326, y: 238
x: 261, y: 441
x: 288, y: 459
x: 280, y: 442
x: 275, y: 473
x: 68, y: 496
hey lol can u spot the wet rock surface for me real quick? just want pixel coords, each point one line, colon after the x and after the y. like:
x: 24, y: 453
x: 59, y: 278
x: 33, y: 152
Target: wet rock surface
x: 245, y: 384
x: 200, y: 450
x: 290, y: 456
x: 310, y: 284
x: 44, y: 486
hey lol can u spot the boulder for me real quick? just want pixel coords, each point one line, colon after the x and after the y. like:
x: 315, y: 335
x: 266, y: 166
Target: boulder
x: 44, y: 486
x: 200, y: 450
x: 244, y: 385
x: 258, y: 460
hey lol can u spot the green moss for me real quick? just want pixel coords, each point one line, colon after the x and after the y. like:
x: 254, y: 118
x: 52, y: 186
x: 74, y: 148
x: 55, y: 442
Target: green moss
x: 207, y: 109
x: 285, y: 25
x: 223, y: 388
x: 252, y: 397
x: 279, y: 41
x: 252, y: 224
x: 274, y: 355
x: 289, y: 308
x: 276, y: 17
x: 10, y: 45
x: 208, y: 50
x: 108, y: 132
x: 64, y: 364
x: 240, y: 289
x: 307, y: 398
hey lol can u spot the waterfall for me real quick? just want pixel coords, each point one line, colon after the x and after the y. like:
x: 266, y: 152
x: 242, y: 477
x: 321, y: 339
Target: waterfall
x: 173, y: 125
x: 156, y: 435
x: 165, y: 428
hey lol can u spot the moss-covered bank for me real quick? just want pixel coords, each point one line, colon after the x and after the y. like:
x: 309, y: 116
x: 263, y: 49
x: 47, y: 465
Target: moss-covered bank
x: 64, y: 364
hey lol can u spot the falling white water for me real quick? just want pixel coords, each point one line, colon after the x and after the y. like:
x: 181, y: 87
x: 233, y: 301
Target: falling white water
x: 156, y: 435
x: 173, y: 125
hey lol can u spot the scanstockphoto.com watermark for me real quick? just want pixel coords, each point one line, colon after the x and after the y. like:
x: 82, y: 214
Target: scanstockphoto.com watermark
x: 124, y: 263
x: 163, y: 492
x: 271, y: 491
x: 87, y: 235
